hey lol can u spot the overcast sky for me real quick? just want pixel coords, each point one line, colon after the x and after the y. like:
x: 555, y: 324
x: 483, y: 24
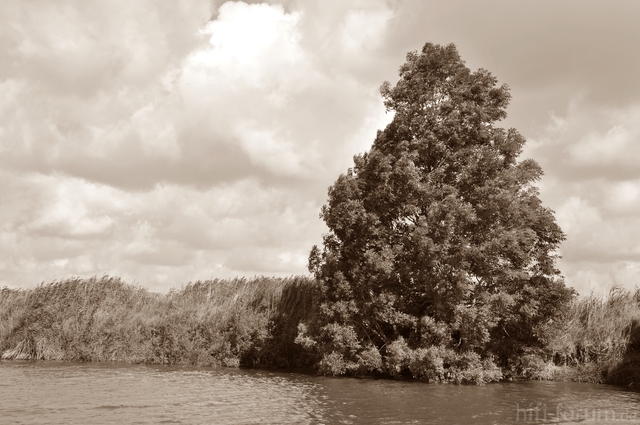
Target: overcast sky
x: 166, y: 142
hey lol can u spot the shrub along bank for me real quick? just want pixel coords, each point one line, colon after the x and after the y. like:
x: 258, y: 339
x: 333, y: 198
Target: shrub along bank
x: 256, y: 323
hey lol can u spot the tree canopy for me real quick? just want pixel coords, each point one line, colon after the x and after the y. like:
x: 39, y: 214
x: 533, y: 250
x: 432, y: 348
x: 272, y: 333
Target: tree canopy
x: 437, y: 237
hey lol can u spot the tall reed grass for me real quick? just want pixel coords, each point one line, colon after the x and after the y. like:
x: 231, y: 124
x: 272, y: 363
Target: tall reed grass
x: 254, y: 322
x: 216, y: 322
x: 597, y: 341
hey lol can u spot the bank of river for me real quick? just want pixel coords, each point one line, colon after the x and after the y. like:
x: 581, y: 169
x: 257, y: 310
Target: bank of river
x: 103, y: 393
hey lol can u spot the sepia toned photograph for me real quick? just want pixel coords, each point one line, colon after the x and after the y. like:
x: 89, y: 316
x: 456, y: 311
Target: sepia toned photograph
x: 319, y: 212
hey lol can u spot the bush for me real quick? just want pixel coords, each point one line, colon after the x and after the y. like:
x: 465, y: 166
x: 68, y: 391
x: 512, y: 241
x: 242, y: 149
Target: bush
x: 428, y: 364
x: 439, y: 364
x: 370, y: 360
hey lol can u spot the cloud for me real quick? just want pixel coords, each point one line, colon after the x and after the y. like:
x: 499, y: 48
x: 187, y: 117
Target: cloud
x: 590, y: 142
x: 65, y: 225
x: 250, y: 96
x: 547, y: 52
x: 166, y: 143
x: 78, y: 48
x: 87, y: 80
x: 593, y: 183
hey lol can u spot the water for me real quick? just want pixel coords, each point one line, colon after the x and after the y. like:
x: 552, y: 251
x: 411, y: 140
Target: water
x: 93, y: 393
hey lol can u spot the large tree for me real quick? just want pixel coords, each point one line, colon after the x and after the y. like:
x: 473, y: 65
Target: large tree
x: 437, y: 236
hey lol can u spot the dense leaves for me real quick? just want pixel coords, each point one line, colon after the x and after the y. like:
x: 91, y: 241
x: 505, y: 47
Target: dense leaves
x: 437, y: 237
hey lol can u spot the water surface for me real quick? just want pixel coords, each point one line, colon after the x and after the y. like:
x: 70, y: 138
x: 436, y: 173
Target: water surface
x: 95, y: 393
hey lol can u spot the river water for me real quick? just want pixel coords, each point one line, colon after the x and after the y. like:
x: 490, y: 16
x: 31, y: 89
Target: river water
x: 94, y: 393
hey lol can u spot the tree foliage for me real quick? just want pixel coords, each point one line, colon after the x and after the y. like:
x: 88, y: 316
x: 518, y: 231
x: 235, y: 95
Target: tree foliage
x: 437, y: 237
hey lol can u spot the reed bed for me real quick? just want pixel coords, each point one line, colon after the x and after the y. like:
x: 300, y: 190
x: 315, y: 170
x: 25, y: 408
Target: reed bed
x: 230, y: 322
x: 598, y: 341
x: 254, y: 322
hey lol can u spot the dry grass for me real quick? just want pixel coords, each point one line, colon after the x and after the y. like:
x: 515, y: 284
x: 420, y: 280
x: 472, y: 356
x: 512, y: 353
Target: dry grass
x: 253, y: 322
x: 600, y: 335
x: 215, y: 322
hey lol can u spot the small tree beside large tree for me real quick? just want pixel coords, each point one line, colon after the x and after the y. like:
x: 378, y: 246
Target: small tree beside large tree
x: 440, y: 258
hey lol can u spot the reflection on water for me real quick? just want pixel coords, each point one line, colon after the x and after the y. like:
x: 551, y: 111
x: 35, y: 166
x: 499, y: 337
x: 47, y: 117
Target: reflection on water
x: 71, y: 393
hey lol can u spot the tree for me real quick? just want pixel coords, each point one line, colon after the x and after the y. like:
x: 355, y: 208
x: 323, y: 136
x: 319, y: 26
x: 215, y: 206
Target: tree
x: 437, y: 237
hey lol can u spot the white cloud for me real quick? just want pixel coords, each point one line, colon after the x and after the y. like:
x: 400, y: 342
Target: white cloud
x: 156, y: 133
x: 265, y: 148
x: 251, y: 44
x: 591, y: 141
x: 623, y: 197
x: 365, y: 28
x: 166, y: 142
x: 592, y: 181
x: 598, y: 149
x: 60, y: 226
x: 576, y: 214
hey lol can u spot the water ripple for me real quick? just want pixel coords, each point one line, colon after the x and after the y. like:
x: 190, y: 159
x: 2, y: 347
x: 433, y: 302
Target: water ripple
x: 68, y: 393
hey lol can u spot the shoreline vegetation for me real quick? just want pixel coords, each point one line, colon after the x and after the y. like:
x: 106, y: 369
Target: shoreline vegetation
x: 439, y: 265
x: 256, y: 323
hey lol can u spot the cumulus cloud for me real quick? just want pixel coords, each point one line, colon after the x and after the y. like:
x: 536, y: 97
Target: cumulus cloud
x: 590, y: 156
x: 168, y: 143
x: 69, y: 226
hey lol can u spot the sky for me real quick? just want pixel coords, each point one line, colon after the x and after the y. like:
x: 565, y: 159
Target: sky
x: 167, y: 142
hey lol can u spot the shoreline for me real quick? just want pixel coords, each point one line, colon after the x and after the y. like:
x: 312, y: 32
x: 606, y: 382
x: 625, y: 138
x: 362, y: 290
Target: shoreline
x: 253, y: 323
x: 384, y: 377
